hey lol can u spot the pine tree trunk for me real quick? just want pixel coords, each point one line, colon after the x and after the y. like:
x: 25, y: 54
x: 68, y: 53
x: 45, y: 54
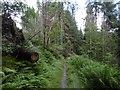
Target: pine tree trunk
x: 62, y: 25
x: 44, y: 22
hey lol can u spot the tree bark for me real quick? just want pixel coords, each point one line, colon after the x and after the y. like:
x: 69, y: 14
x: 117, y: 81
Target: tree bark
x: 25, y: 54
x: 62, y: 24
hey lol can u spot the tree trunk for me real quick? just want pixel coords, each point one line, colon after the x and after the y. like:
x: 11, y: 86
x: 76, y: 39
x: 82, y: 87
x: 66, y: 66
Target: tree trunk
x: 62, y: 24
x: 25, y: 54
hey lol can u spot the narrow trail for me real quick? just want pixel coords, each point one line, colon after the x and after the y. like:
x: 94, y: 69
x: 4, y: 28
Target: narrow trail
x: 63, y: 80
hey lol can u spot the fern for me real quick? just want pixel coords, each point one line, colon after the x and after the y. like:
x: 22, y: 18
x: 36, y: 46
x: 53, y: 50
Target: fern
x: 93, y: 74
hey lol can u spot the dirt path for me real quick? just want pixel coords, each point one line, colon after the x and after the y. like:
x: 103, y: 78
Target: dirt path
x: 63, y: 80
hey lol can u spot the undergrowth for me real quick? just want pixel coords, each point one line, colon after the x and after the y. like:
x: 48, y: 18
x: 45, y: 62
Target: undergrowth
x: 45, y: 73
x: 91, y: 74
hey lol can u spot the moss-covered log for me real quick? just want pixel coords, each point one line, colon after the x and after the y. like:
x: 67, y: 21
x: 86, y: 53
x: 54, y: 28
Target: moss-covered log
x: 26, y: 54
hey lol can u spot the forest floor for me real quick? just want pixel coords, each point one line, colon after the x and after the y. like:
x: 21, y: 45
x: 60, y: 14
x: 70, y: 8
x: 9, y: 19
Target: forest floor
x: 63, y: 80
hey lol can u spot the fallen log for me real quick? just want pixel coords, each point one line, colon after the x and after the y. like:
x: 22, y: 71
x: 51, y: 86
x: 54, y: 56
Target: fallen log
x: 26, y: 54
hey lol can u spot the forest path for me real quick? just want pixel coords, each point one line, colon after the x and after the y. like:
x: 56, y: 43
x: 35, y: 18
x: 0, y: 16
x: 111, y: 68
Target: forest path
x: 63, y: 80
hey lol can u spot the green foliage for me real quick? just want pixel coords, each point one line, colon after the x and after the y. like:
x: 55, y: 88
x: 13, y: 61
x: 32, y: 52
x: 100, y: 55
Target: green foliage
x: 73, y: 37
x: 7, y: 46
x: 14, y: 8
x: 97, y: 45
x: 100, y: 45
x: 93, y: 74
x: 8, y: 59
x: 52, y: 8
x: 8, y: 70
x: 28, y: 18
x: 54, y: 35
x: 56, y: 50
x: 45, y: 73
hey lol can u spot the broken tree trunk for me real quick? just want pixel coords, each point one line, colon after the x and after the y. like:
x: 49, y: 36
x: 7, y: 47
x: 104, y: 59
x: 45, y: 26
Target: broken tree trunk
x: 26, y: 54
